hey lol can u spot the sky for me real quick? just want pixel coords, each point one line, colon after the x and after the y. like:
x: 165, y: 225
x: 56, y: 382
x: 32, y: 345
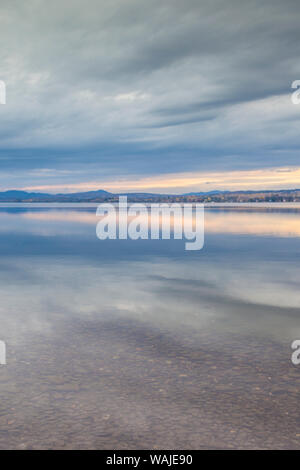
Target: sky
x: 147, y: 95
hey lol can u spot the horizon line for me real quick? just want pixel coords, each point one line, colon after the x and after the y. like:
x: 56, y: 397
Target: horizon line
x: 125, y: 193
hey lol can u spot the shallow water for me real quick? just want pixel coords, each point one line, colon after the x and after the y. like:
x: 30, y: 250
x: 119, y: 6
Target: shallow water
x: 141, y: 344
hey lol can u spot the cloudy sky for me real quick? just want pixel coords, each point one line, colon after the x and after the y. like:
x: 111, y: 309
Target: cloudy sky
x: 149, y: 95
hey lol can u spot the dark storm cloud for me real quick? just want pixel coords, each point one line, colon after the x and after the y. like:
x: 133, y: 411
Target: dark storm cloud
x: 132, y: 87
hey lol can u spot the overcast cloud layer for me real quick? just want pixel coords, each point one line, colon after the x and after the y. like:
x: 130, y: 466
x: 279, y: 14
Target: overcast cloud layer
x: 104, y: 90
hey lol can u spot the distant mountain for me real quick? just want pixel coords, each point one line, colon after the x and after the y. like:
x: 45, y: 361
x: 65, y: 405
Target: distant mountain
x: 209, y: 193
x: 87, y: 195
x: 15, y: 195
x: 21, y: 195
x: 101, y: 195
x: 264, y: 191
x: 141, y: 195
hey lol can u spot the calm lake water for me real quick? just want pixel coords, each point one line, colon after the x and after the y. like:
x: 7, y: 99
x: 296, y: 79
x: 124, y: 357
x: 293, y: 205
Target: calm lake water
x: 143, y: 345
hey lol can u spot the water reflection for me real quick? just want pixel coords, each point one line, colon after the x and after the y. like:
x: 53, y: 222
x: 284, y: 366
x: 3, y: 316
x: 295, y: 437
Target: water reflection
x: 267, y: 222
x: 140, y: 344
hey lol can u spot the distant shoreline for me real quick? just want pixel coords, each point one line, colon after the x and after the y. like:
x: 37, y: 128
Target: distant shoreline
x: 210, y: 205
x: 286, y: 196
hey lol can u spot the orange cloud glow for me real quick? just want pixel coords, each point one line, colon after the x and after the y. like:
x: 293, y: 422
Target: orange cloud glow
x: 273, y: 178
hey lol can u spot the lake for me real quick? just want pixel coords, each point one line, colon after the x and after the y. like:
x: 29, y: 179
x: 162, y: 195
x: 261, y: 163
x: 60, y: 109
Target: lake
x: 123, y: 344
